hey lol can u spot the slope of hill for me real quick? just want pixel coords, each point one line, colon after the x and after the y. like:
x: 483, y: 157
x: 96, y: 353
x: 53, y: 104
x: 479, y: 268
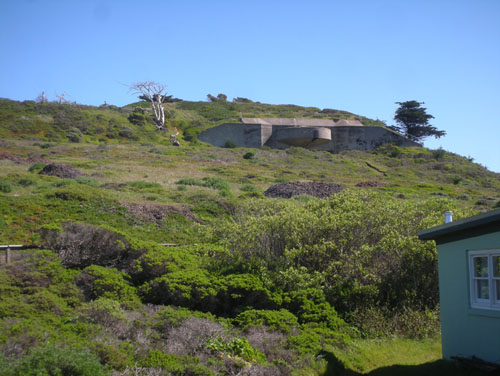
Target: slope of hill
x: 107, y: 123
x: 255, y: 285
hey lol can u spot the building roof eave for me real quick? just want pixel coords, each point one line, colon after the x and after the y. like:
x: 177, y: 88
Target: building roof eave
x: 484, y: 219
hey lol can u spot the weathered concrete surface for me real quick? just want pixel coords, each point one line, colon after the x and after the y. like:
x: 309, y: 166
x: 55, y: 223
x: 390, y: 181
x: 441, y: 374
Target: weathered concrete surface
x: 334, y: 139
x: 303, y: 137
x: 241, y: 135
x: 363, y: 138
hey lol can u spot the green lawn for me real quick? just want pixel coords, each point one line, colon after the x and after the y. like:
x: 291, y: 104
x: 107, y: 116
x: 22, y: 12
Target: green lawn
x: 391, y: 357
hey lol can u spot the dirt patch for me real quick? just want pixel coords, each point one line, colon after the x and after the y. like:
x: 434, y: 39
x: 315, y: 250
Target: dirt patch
x: 18, y: 159
x: 155, y: 213
x: 372, y: 183
x: 61, y: 171
x: 290, y: 189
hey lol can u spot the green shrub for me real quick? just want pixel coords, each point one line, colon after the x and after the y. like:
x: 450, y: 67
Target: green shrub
x: 373, y: 234
x: 249, y: 155
x: 190, y: 181
x: 229, y: 145
x: 98, y: 281
x: 216, y: 183
x: 200, y: 290
x: 138, y: 118
x: 310, y: 306
x: 5, y: 187
x: 36, y: 167
x: 127, y: 132
x: 209, y: 182
x: 74, y: 135
x: 116, y: 357
x: 52, y: 361
x: 249, y: 188
x: 392, y: 151
x: 143, y: 185
x: 62, y: 183
x: 103, y: 311
x: 244, y: 290
x: 281, y: 180
x: 225, y: 193
x: 251, y: 195
x: 25, y: 182
x: 191, y: 134
x: 68, y: 191
x: 375, y: 322
x: 176, y: 364
x: 171, y: 316
x: 281, y: 320
x: 313, y: 338
x: 87, y: 181
x: 438, y: 154
x: 195, y: 289
x: 236, y: 347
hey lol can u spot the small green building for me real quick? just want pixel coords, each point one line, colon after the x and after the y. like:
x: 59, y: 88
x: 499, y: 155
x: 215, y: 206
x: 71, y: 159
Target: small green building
x: 469, y: 285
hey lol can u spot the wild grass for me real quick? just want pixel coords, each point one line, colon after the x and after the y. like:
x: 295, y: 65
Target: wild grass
x: 364, y: 356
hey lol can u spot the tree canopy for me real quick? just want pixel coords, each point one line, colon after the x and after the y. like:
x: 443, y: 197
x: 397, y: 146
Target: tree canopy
x: 413, y: 121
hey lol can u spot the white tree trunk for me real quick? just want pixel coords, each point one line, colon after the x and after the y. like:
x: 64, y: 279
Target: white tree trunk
x: 154, y: 92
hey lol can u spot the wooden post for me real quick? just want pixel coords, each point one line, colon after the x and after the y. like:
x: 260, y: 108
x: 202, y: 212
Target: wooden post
x: 7, y: 255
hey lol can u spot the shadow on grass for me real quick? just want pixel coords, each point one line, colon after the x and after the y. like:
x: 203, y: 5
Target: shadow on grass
x: 437, y: 368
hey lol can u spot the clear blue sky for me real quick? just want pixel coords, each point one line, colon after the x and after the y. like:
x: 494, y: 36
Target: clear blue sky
x: 355, y: 55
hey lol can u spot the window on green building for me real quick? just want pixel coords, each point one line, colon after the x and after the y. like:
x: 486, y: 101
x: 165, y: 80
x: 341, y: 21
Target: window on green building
x: 484, y: 269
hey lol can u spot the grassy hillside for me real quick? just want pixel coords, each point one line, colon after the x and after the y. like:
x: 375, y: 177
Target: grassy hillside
x: 107, y: 123
x: 254, y: 285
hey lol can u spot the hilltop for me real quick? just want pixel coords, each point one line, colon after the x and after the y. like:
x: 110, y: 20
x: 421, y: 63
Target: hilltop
x: 254, y: 284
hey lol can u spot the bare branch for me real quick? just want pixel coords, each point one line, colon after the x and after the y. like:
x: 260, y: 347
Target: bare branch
x: 154, y: 93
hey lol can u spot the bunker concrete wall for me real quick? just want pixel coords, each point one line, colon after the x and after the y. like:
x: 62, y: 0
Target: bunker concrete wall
x: 242, y: 135
x: 303, y: 137
x: 342, y: 137
x: 363, y: 138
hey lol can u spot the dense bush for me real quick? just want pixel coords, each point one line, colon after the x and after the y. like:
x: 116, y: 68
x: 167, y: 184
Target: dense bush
x: 191, y: 134
x: 362, y: 247
x: 175, y: 364
x: 52, y: 361
x: 139, y: 118
x: 203, y: 291
x: 80, y: 245
x: 281, y: 320
x: 96, y: 281
x: 249, y: 155
x: 236, y: 347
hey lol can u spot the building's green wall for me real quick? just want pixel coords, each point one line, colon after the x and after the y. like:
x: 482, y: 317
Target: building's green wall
x: 466, y: 332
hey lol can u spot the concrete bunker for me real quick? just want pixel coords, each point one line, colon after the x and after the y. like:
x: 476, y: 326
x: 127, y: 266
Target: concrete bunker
x: 314, y: 134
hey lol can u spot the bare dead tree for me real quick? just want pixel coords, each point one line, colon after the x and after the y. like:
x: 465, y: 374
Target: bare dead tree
x: 42, y: 98
x: 61, y: 98
x: 155, y: 93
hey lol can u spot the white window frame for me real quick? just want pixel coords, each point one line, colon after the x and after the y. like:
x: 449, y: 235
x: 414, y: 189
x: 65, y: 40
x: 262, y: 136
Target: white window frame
x: 491, y: 303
